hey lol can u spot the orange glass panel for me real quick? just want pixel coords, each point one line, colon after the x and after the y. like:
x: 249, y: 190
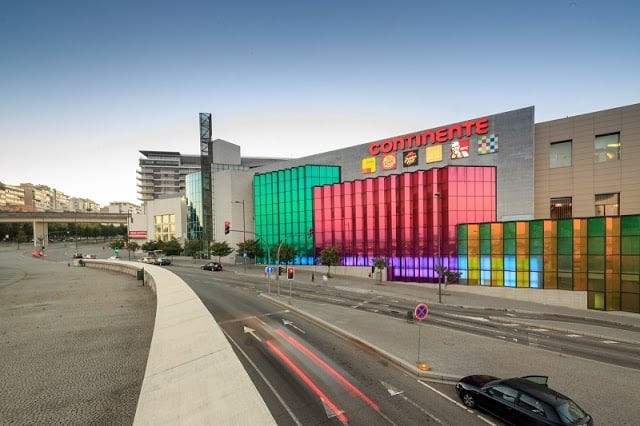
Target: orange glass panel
x: 550, y: 280
x: 522, y: 230
x: 580, y: 281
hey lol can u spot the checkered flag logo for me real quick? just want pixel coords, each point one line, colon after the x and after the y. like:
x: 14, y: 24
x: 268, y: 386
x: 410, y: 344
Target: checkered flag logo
x: 488, y: 144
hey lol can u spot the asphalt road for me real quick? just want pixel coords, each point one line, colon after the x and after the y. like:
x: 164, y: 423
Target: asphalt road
x: 308, y: 375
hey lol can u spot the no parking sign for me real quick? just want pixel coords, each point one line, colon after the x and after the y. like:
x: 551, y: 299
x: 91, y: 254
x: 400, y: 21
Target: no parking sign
x: 421, y: 311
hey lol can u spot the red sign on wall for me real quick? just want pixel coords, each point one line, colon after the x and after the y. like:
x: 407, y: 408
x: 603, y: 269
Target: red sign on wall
x: 138, y: 235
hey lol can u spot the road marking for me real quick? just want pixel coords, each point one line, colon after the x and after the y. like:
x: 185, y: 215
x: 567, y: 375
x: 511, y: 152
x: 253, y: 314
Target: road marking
x: 609, y: 341
x: 264, y: 378
x: 574, y: 335
x: 464, y: 407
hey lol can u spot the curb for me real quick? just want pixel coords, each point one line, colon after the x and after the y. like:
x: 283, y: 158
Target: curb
x: 412, y: 369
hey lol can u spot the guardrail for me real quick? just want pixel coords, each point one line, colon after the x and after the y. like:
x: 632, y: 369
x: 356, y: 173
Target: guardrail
x: 192, y: 376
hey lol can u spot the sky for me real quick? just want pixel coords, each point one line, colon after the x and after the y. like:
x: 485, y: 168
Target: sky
x: 86, y: 84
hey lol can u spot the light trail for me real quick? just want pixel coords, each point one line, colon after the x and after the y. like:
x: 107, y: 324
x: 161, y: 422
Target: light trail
x: 346, y: 383
x: 308, y: 381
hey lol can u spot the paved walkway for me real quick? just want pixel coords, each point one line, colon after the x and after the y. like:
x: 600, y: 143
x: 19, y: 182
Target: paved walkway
x: 73, y: 341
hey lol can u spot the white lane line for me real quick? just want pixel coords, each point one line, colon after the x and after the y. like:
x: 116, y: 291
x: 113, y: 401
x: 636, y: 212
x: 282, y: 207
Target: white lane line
x: 264, y: 378
x: 610, y: 341
x: 574, y: 335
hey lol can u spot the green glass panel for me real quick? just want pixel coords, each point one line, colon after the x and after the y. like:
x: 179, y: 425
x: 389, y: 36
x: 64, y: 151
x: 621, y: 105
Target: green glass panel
x: 510, y: 246
x: 565, y: 245
x: 485, y: 231
x: 595, y: 245
x: 485, y: 246
x: 536, y: 246
x: 536, y: 229
x: 462, y: 232
x: 565, y: 228
x: 630, y: 264
x: 565, y: 263
x: 595, y: 264
x: 630, y: 245
x: 509, y: 230
x: 595, y: 227
x: 630, y: 225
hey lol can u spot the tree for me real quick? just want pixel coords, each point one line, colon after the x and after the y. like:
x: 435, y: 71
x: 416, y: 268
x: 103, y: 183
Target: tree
x: 330, y: 257
x: 220, y: 248
x: 172, y: 247
x: 193, y: 248
x: 21, y: 237
x: 448, y: 275
x: 252, y: 248
x: 380, y: 263
x: 133, y: 246
x: 287, y: 253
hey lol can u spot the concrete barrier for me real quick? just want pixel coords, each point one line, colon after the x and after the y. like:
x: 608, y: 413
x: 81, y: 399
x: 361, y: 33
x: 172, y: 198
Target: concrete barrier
x: 192, y: 376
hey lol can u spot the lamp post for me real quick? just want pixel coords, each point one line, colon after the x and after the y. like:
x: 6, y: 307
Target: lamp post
x: 75, y: 227
x: 244, y: 237
x: 439, y: 269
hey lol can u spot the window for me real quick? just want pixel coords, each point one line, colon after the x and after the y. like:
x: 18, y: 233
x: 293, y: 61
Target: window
x: 529, y: 403
x: 561, y: 208
x: 607, y: 147
x: 608, y: 204
x: 505, y: 392
x: 560, y: 154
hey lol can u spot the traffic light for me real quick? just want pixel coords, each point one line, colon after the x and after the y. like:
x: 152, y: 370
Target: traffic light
x: 290, y: 273
x: 280, y: 270
x: 227, y: 227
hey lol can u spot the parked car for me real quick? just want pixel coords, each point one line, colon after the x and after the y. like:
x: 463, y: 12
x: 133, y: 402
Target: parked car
x: 212, y: 266
x: 162, y: 261
x: 90, y: 256
x: 149, y: 260
x: 521, y: 400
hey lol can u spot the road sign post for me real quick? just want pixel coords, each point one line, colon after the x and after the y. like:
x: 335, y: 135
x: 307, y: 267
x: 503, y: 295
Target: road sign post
x: 420, y: 312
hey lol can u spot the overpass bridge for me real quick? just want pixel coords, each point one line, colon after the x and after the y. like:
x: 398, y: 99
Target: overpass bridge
x: 41, y: 220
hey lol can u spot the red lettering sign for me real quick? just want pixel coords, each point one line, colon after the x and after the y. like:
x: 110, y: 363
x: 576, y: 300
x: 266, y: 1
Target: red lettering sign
x: 439, y: 135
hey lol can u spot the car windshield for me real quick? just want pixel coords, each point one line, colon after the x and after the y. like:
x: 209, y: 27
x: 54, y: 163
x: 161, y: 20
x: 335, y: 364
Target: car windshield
x: 570, y: 412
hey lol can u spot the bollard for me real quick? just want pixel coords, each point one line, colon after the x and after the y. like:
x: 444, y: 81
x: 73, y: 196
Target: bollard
x: 409, y: 316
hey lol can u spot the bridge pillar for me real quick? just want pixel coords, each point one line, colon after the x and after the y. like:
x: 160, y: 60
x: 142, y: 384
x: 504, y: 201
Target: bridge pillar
x: 40, y: 234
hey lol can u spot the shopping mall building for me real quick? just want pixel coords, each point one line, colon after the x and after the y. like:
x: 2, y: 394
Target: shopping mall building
x: 502, y: 200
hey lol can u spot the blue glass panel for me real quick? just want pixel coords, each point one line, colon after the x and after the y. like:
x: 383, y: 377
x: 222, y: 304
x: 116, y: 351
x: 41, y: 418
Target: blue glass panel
x: 510, y: 278
x: 510, y: 264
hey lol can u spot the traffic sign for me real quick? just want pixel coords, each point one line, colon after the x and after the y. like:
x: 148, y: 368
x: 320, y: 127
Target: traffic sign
x: 269, y: 270
x: 421, y: 311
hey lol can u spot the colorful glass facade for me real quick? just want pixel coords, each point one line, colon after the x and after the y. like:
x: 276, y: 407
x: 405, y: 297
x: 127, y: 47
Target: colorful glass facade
x: 283, y: 202
x: 409, y: 219
x: 600, y: 255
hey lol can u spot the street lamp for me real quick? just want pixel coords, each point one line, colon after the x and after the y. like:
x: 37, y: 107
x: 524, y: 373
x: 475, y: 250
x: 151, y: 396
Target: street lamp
x: 441, y: 269
x: 244, y: 237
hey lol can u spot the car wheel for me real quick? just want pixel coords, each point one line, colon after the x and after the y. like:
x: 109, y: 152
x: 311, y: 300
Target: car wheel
x: 468, y: 399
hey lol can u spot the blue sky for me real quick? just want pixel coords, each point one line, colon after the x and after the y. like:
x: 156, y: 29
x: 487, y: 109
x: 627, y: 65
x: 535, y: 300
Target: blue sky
x: 86, y: 84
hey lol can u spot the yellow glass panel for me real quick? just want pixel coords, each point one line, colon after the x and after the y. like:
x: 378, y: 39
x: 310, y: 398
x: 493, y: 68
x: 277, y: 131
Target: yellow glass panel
x: 496, y: 230
x: 522, y: 279
x: 580, y: 281
x: 496, y: 246
x: 522, y: 230
x: 498, y: 278
x: 550, y: 228
x: 550, y: 280
x: 522, y: 246
x: 612, y: 226
x: 612, y: 245
x: 612, y: 283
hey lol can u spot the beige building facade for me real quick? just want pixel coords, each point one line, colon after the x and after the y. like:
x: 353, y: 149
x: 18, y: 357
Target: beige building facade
x: 588, y: 165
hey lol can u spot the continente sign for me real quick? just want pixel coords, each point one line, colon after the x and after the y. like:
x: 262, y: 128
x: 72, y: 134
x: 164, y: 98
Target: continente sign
x: 433, y: 136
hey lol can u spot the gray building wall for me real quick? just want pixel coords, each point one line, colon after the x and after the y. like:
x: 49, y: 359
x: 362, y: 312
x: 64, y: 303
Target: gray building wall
x: 514, y: 161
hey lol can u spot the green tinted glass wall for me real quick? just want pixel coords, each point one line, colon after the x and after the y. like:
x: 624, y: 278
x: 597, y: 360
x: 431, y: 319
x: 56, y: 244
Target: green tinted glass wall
x: 283, y: 202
